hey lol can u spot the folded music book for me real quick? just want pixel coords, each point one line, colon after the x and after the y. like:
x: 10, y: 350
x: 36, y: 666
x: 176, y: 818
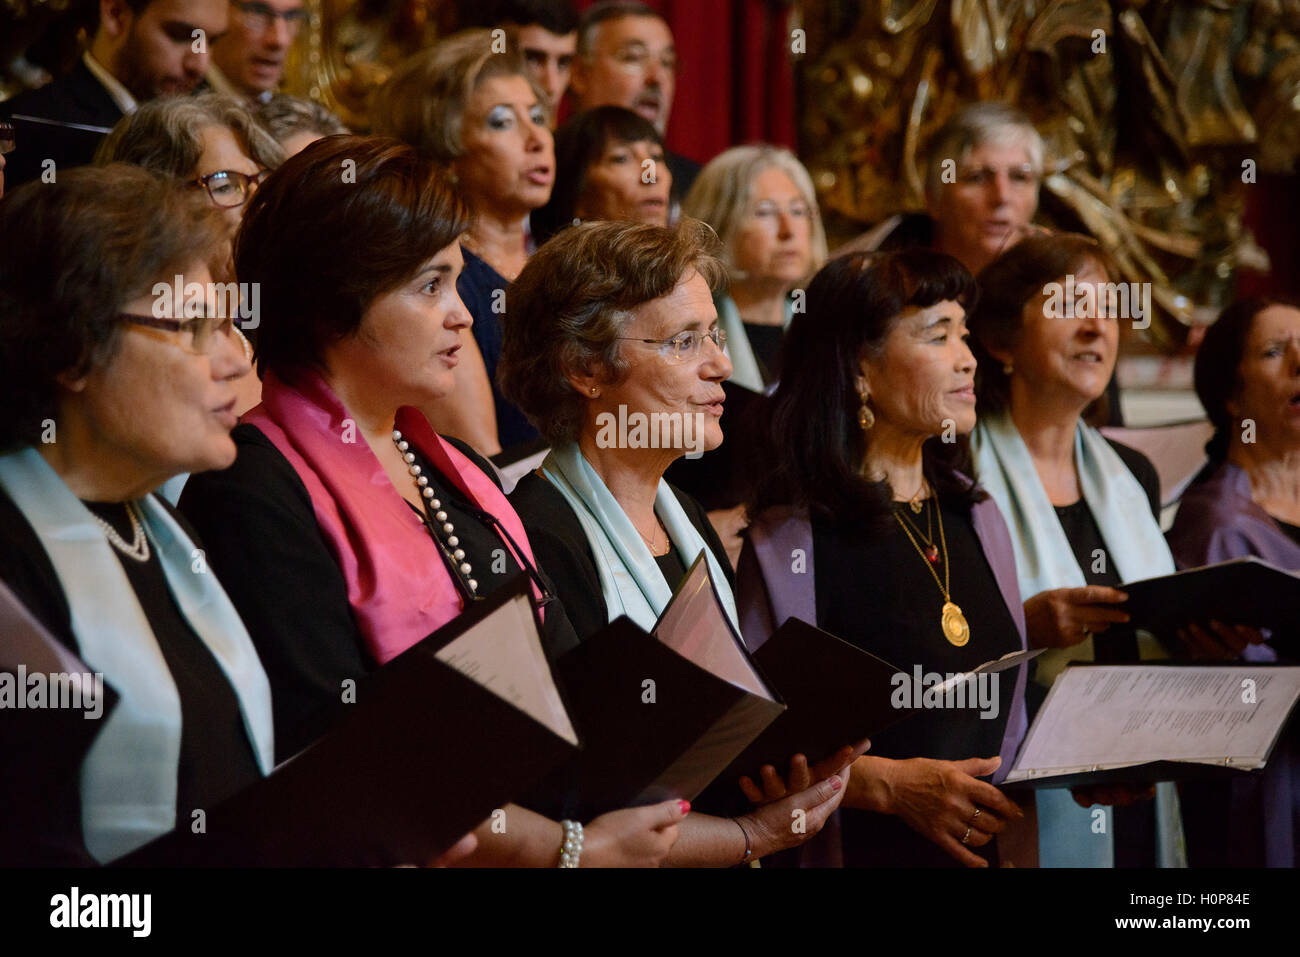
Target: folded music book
x: 1244, y: 591
x: 440, y: 737
x: 1155, y: 722
x: 662, y: 714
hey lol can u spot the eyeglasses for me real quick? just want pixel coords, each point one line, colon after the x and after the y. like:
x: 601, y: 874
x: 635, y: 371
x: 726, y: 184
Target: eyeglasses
x: 8, y: 138
x: 684, y: 345
x: 198, y: 335
x: 259, y: 17
x: 228, y: 189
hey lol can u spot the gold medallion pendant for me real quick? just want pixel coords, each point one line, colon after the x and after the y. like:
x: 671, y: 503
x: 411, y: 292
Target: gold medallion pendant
x: 955, y: 628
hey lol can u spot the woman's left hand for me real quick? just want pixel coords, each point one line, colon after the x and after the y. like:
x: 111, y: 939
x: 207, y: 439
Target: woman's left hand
x: 1221, y: 642
x: 801, y: 776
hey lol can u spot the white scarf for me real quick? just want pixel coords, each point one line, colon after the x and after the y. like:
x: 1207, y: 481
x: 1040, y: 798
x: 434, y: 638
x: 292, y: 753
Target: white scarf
x: 630, y: 580
x: 129, y: 776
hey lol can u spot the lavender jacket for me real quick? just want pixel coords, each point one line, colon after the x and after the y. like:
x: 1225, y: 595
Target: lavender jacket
x: 768, y: 592
x: 1218, y: 521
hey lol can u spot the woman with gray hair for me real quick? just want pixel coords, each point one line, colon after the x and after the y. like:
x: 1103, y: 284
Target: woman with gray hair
x: 295, y: 122
x: 213, y: 143
x: 760, y: 201
x: 614, y: 327
x: 983, y: 169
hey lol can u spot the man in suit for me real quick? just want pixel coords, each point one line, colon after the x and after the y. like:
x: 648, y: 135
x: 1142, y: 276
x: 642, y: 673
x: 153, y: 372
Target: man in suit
x: 141, y: 49
x: 627, y: 57
x: 248, y: 63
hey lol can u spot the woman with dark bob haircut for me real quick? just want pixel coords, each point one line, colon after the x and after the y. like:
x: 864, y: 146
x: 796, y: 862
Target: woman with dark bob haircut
x: 347, y: 530
x: 104, y: 395
x: 863, y: 474
x: 1247, y: 502
x: 600, y: 158
x: 614, y: 322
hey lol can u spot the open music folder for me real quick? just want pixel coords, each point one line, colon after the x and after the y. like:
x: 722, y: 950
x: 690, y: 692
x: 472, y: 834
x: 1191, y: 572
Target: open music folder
x: 1147, y: 722
x: 1244, y: 591
x: 441, y: 736
x: 662, y: 714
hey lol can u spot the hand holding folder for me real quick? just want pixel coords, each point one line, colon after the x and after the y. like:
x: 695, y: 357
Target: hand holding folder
x: 442, y: 735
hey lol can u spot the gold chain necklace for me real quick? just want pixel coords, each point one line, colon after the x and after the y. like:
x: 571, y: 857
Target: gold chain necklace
x: 952, y: 621
x: 651, y: 541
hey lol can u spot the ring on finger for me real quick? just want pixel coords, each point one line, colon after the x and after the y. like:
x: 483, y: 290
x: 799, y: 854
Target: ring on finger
x: 966, y: 837
x: 973, y: 817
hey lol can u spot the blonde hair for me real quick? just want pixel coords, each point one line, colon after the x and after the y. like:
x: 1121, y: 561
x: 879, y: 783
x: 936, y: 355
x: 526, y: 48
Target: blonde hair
x: 423, y: 103
x: 721, y: 194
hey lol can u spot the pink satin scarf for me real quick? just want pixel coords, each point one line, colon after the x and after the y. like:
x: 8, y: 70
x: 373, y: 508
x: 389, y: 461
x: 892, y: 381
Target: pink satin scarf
x: 399, y: 587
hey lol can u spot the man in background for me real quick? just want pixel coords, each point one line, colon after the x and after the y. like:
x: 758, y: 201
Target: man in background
x: 546, y: 30
x: 249, y: 61
x: 141, y: 49
x: 627, y: 57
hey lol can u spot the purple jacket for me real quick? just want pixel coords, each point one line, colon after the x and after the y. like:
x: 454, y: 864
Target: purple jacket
x: 768, y: 593
x: 1218, y: 521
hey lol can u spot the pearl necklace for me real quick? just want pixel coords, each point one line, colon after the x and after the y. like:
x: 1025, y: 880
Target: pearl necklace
x: 139, y: 547
x: 452, y: 544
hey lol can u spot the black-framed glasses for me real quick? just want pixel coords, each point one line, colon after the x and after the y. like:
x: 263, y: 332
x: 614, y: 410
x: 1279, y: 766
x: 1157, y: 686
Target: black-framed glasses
x: 229, y: 188
x: 684, y: 345
x: 8, y: 138
x: 260, y: 17
x: 197, y: 335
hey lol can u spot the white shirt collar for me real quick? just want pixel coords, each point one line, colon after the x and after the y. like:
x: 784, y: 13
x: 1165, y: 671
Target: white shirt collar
x: 120, y: 94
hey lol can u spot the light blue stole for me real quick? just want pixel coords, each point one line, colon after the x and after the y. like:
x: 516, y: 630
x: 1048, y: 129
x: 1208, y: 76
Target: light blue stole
x: 630, y: 580
x: 1045, y: 560
x: 744, y: 365
x: 129, y: 776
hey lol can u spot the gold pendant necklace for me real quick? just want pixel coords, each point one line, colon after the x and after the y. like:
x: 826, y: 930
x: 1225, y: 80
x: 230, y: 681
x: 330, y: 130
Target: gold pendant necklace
x: 951, y: 620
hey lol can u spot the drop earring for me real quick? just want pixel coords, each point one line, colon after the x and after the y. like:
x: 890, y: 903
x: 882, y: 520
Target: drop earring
x: 866, y: 418
x: 1007, y: 369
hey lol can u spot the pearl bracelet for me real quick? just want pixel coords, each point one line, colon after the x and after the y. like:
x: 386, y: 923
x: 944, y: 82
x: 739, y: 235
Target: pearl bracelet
x: 571, y: 848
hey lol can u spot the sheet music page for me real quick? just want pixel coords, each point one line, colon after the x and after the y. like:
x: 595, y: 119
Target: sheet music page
x: 695, y: 626
x: 503, y: 653
x: 1106, y: 716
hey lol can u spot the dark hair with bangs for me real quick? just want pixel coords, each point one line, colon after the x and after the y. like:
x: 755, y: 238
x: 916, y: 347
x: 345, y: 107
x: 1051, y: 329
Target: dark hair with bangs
x: 579, y: 144
x: 811, y: 453
x: 1007, y: 285
x: 1217, y: 375
x: 344, y: 221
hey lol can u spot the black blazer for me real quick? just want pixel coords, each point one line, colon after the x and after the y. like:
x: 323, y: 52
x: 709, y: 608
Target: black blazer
x: 76, y: 98
x: 562, y: 551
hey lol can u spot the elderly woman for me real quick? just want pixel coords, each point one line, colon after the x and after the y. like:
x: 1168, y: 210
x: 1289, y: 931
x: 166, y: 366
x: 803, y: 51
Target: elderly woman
x: 761, y: 202
x: 104, y: 398
x: 478, y: 111
x: 866, y: 476
x: 1083, y: 511
x: 1247, y: 502
x: 983, y: 167
x: 615, y: 322
x: 213, y: 144
x: 295, y: 122
x: 347, y: 530
x: 610, y: 165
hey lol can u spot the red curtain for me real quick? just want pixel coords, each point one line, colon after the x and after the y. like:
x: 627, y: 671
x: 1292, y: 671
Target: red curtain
x: 735, y: 79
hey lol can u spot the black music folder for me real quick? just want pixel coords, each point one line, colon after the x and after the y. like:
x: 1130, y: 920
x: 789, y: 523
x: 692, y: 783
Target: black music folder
x: 662, y: 714
x: 440, y: 737
x: 1245, y: 591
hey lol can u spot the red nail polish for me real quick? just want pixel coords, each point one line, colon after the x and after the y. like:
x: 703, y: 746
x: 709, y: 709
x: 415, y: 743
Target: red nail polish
x: 836, y: 783
x: 685, y: 806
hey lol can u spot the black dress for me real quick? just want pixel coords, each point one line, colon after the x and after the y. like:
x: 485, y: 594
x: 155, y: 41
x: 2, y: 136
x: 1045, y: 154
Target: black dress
x: 876, y: 591
x: 563, y: 552
x: 264, y: 544
x: 216, y: 757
